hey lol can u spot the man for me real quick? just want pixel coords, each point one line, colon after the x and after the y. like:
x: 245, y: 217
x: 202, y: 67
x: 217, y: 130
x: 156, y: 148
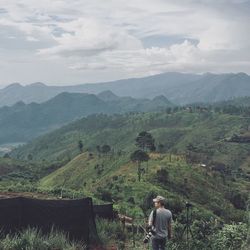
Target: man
x: 160, y: 221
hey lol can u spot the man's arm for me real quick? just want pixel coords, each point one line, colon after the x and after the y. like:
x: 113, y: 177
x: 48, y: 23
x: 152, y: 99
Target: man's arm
x: 170, y: 227
x: 170, y: 230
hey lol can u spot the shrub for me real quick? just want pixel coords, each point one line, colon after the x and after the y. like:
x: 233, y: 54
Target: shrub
x: 162, y: 176
x: 230, y: 237
x: 104, y: 195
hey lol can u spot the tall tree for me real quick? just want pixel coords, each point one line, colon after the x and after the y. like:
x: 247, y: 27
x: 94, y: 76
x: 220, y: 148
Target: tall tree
x: 139, y: 156
x: 144, y: 141
x: 99, y: 150
x: 80, y: 145
x: 106, y: 149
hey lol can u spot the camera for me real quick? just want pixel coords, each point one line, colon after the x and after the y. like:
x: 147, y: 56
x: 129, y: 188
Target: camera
x: 150, y: 233
x: 188, y: 205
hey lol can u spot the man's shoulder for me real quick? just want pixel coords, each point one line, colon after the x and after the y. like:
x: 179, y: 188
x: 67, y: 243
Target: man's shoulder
x: 166, y: 212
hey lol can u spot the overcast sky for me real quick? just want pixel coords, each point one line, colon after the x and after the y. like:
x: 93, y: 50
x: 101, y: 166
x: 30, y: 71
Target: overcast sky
x: 77, y: 41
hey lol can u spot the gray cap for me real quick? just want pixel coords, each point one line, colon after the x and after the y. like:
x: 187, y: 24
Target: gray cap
x: 159, y: 198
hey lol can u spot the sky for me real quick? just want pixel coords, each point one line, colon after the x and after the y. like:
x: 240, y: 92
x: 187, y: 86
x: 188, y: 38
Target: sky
x: 64, y: 42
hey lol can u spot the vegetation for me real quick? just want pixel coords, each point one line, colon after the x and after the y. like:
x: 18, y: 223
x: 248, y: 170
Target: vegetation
x: 145, y: 141
x: 206, y: 131
x: 193, y: 159
x: 207, y: 236
x: 139, y: 156
x: 34, y: 239
x: 22, y: 122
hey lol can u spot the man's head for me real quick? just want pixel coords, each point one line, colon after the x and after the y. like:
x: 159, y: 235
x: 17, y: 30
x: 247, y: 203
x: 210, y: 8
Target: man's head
x: 159, y: 201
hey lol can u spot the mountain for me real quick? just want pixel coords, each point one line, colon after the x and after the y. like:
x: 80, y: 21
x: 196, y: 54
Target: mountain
x: 207, y: 132
x: 215, y: 88
x: 108, y: 96
x: 179, y: 88
x: 36, y: 92
x: 195, y: 162
x: 22, y: 122
x: 238, y: 102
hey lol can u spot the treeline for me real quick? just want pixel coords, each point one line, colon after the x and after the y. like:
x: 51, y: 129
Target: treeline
x: 202, y: 108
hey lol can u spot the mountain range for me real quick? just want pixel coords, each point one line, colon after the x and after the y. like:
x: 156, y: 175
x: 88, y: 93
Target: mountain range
x: 179, y: 88
x: 22, y: 122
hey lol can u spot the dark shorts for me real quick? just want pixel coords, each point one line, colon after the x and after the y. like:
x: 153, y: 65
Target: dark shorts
x: 159, y: 244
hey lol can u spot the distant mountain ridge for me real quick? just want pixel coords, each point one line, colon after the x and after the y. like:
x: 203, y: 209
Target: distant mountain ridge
x: 22, y: 122
x: 179, y: 88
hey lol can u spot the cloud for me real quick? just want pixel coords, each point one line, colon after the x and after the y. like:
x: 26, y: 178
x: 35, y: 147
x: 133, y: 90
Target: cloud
x: 92, y: 37
x: 184, y: 57
x: 153, y: 59
x: 86, y: 37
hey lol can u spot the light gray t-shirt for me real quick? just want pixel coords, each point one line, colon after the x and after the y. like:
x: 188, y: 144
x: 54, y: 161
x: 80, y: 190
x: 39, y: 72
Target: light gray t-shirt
x: 163, y: 219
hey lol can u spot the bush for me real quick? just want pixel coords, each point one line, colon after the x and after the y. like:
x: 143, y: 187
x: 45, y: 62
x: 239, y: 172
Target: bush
x: 162, y: 176
x: 104, y: 195
x: 230, y: 237
x: 176, y: 206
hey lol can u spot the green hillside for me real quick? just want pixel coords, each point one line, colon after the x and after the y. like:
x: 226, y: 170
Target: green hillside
x: 204, y: 132
x: 194, y: 159
x: 23, y: 172
x: 14, y: 170
x: 204, y: 166
x: 23, y: 122
x: 114, y: 178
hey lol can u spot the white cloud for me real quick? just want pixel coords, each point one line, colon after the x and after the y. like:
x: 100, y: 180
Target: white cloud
x: 86, y: 37
x: 93, y: 37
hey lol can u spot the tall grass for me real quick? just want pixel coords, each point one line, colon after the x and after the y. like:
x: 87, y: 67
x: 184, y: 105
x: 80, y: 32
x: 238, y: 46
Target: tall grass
x: 111, y: 232
x: 33, y: 239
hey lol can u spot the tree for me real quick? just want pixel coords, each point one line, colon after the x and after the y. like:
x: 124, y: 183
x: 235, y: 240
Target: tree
x: 105, y: 149
x: 80, y: 145
x: 161, y: 148
x: 152, y: 148
x: 6, y: 155
x: 169, y: 110
x: 139, y: 156
x: 162, y: 176
x: 30, y: 157
x: 98, y: 148
x: 144, y: 141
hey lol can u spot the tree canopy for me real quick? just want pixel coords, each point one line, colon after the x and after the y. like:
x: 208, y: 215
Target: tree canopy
x: 145, y: 141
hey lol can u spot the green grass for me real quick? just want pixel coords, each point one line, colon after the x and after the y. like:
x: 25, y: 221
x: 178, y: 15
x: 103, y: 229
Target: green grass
x: 205, y: 188
x: 114, y: 177
x: 31, y: 238
x: 206, y: 131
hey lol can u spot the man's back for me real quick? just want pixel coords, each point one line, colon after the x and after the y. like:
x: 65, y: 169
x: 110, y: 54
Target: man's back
x: 162, y: 220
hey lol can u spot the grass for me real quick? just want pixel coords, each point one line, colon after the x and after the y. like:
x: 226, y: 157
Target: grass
x: 118, y: 181
x: 32, y: 238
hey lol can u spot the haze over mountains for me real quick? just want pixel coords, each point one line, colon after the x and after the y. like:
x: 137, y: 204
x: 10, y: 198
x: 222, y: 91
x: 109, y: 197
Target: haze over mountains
x: 179, y: 88
x: 22, y: 122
